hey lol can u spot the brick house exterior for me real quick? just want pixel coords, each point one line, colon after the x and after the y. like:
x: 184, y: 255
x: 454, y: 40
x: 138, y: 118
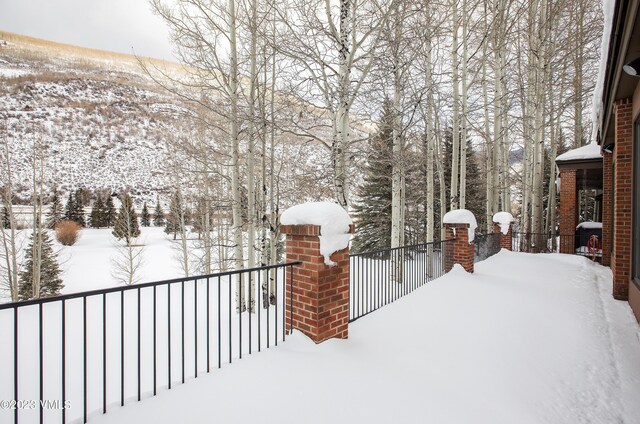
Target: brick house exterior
x: 619, y: 137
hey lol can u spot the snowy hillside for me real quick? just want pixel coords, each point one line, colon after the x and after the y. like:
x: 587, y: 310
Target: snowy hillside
x: 103, y: 119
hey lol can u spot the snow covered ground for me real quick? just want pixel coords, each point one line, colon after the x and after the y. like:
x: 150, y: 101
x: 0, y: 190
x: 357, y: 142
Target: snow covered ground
x: 526, y: 339
x: 88, y: 264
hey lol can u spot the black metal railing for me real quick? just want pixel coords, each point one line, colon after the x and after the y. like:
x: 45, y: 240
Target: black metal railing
x: 67, y: 357
x: 485, y: 246
x: 379, y: 277
x: 564, y: 243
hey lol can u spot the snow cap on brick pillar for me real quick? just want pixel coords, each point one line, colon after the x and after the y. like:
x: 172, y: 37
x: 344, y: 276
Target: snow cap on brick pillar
x: 502, y: 223
x: 318, y: 235
x: 460, y: 225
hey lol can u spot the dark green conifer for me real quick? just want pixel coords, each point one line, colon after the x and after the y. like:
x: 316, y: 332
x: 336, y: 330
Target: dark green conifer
x: 109, y: 213
x: 145, y: 218
x: 98, y: 213
x: 158, y: 218
x: 55, y: 213
x: 126, y: 224
x: 50, y: 281
x: 373, y: 210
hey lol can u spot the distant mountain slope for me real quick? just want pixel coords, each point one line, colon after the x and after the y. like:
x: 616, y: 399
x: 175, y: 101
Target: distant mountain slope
x: 102, y: 118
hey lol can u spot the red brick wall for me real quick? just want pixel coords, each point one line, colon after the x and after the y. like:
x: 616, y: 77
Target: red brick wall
x: 568, y: 207
x: 461, y: 250
x: 623, y: 199
x: 607, y: 187
x: 505, y: 239
x: 320, y: 304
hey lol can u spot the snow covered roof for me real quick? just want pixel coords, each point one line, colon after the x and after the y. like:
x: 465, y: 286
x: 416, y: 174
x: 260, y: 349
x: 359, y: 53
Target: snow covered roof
x: 462, y: 216
x: 333, y: 220
x: 590, y: 151
x: 590, y: 225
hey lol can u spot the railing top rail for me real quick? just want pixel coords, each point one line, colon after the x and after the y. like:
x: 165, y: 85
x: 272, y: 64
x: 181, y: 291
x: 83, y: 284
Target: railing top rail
x: 89, y: 293
x: 488, y: 234
x: 543, y: 234
x: 410, y: 246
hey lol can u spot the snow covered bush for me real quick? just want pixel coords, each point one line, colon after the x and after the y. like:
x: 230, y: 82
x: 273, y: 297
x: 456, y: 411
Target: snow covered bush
x: 67, y: 232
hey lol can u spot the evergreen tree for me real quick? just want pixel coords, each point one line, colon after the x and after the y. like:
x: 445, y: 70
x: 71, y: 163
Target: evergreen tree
x: 50, y: 281
x: 70, y: 209
x: 145, y: 218
x: 98, y: 213
x: 55, y: 213
x: 373, y: 209
x: 476, y: 193
x: 159, y: 218
x: 109, y: 213
x: 6, y: 219
x: 126, y: 224
x: 78, y: 205
x: 176, y: 214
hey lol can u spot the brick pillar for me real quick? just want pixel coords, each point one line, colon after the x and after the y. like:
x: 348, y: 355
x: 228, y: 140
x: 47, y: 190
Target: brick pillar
x: 460, y: 251
x: 623, y: 199
x: 568, y: 209
x: 607, y: 197
x: 505, y: 239
x: 320, y: 306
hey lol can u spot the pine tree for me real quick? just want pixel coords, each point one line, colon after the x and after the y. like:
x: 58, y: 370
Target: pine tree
x: 475, y: 201
x: 145, y: 218
x: 109, y: 213
x: 50, y: 281
x: 176, y: 214
x: 55, y: 210
x: 98, y: 213
x: 373, y: 209
x: 6, y: 219
x: 126, y: 225
x: 70, y: 209
x: 79, y: 209
x: 159, y: 218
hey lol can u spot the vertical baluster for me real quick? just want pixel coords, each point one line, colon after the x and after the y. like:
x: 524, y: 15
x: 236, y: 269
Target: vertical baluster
x: 84, y: 356
x: 230, y: 347
x: 208, y: 333
x: 139, y: 347
x: 195, y: 326
x: 259, y: 306
x: 276, y: 319
x: 155, y: 345
x: 41, y: 359
x: 250, y: 302
x: 169, y: 336
x: 15, y: 362
x: 104, y: 353
x: 290, y: 299
x: 122, y: 348
x: 182, y: 325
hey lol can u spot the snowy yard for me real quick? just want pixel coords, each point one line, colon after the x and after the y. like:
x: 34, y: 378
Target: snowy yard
x: 88, y: 264
x: 526, y: 339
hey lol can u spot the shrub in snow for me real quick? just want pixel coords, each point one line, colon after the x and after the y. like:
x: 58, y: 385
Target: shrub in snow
x: 67, y: 232
x: 333, y: 220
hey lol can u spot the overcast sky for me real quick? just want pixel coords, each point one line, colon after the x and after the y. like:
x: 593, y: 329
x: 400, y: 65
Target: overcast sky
x: 116, y: 25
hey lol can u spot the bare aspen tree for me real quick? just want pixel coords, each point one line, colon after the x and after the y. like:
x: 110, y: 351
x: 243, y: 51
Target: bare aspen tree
x: 454, y: 193
x: 332, y: 49
x: 9, y: 241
